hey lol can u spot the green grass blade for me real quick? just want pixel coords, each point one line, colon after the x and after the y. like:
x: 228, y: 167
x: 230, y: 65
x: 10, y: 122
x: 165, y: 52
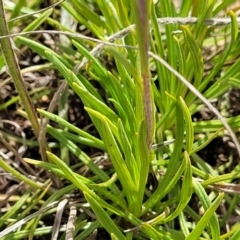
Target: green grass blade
x: 128, y: 153
x: 236, y: 235
x: 222, y: 59
x: 186, y: 191
x: 15, y: 209
x: 78, y: 153
x: 36, y: 23
x: 129, y: 188
x: 203, y: 142
x: 71, y: 127
x: 189, y: 126
x: 143, y: 162
x: 88, y: 13
x: 74, y: 11
x: 69, y: 174
x: 195, y: 59
x: 213, y: 221
x: 103, y: 217
x: 92, y: 102
x: 4, y: 165
x: 173, y: 171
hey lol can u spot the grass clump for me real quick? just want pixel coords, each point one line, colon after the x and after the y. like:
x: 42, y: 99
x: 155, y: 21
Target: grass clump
x: 143, y: 75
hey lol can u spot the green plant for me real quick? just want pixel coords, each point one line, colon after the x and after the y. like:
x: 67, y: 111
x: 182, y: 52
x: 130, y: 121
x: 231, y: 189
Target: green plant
x: 148, y: 191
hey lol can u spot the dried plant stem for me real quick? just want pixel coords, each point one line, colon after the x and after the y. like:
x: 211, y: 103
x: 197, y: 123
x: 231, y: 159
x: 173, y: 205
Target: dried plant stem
x: 142, y: 29
x: 27, y: 219
x: 193, y: 20
x: 58, y: 217
x: 36, y: 12
x: 164, y: 21
x: 71, y: 223
x: 14, y: 71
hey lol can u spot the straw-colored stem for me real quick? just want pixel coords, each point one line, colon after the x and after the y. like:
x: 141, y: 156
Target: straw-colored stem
x: 10, y: 57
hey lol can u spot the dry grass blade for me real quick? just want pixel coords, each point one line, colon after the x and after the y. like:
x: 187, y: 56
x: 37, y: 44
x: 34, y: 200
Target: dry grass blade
x: 43, y: 127
x: 37, y: 12
x: 26, y: 219
x: 71, y: 223
x: 193, y: 20
x: 57, y: 220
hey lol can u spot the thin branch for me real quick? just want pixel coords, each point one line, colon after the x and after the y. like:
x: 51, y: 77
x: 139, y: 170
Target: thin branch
x: 127, y: 30
x: 43, y: 128
x: 193, y: 20
x: 77, y: 35
x: 37, y: 12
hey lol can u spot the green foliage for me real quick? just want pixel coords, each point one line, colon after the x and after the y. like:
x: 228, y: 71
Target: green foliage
x: 146, y: 193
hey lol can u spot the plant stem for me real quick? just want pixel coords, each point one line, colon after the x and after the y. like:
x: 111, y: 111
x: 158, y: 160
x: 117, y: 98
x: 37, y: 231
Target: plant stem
x: 10, y: 57
x: 11, y: 61
x: 142, y: 26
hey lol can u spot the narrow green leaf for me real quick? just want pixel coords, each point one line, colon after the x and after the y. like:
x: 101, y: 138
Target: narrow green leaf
x: 100, y: 188
x: 189, y: 126
x: 125, y: 97
x: 183, y: 223
x: 194, y: 61
x: 99, y: 116
x: 16, y: 208
x: 185, y: 8
x: 36, y: 23
x: 213, y: 220
x: 61, y: 64
x: 6, y: 166
x: 173, y: 171
x: 100, y: 70
x: 143, y: 162
x: 152, y: 232
x: 234, y: 82
x: 16, y: 11
x: 222, y: 6
x: 203, y: 142
x: 88, y: 13
x: 40, y: 49
x: 128, y: 153
x: 164, y: 187
x: 129, y: 67
x: 171, y: 83
x: 108, y: 10
x: 73, y: 148
x: 54, y: 168
x: 196, y: 55
x: 236, y: 235
x: 92, y: 102
x: 215, y: 125
x: 103, y: 217
x: 222, y: 59
x: 69, y: 174
x: 71, y: 127
x: 186, y: 191
x: 202, y: 10
x: 129, y: 188
x: 75, y: 14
